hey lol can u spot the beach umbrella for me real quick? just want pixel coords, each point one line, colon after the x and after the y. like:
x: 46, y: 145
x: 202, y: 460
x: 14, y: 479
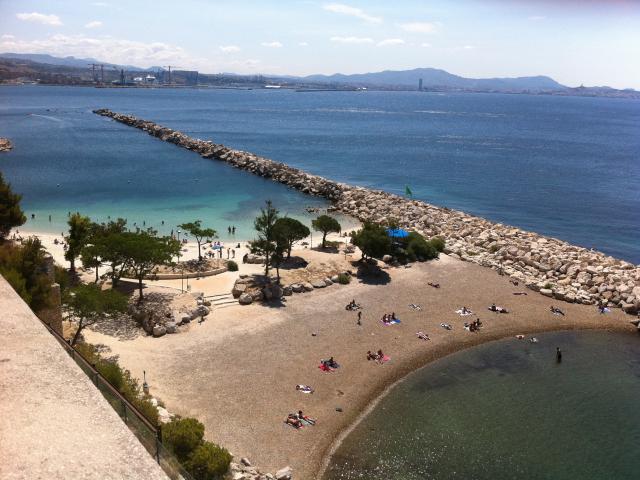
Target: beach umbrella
x: 397, y: 233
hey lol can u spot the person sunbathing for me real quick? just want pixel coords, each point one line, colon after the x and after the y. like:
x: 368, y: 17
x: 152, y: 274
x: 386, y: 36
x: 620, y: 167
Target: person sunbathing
x: 386, y: 319
x: 304, y: 418
x: 423, y: 336
x: 556, y: 311
x: 293, y: 420
x: 304, y: 388
x: 434, y: 285
x: 379, y: 355
x: 393, y: 316
x: 371, y: 356
x: 331, y: 363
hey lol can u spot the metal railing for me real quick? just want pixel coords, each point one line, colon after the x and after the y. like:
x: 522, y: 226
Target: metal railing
x: 149, y: 435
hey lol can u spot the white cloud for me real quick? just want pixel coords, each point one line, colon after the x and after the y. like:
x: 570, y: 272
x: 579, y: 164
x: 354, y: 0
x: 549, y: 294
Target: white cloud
x: 390, y: 41
x: 303, y: 44
x: 419, y: 27
x: 229, y: 48
x: 93, y: 24
x: 536, y: 18
x: 6, y: 36
x: 425, y: 45
x: 351, y: 11
x: 354, y: 40
x: 53, y: 20
x: 272, y: 44
x: 468, y: 47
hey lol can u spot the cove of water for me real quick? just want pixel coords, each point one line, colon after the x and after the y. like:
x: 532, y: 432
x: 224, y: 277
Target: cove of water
x: 568, y: 167
x: 508, y: 410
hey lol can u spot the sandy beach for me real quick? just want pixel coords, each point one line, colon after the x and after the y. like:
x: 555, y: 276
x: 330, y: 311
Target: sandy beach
x: 237, y: 371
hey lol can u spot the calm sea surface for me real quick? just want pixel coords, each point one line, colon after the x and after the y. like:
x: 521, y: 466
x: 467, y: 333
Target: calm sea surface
x: 507, y: 410
x: 566, y: 167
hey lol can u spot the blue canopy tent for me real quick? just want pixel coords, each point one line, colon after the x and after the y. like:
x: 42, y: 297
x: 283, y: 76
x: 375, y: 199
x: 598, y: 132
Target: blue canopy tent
x: 397, y: 233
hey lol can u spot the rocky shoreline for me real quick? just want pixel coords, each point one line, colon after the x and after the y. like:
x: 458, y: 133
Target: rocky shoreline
x: 5, y: 145
x: 547, y: 265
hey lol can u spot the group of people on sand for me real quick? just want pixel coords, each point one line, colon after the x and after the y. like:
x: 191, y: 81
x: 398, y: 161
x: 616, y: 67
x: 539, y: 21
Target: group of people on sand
x: 299, y: 420
x: 377, y: 357
x: 473, y: 326
x: 329, y: 364
x: 388, y: 318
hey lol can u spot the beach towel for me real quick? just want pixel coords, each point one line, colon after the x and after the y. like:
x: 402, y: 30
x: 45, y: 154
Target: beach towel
x: 414, y: 306
x: 392, y: 322
x: 446, y: 326
x: 308, y: 421
x: 325, y: 368
x: 462, y: 314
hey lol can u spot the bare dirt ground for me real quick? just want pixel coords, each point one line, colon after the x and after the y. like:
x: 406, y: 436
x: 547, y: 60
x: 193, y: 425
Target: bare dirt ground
x: 237, y: 371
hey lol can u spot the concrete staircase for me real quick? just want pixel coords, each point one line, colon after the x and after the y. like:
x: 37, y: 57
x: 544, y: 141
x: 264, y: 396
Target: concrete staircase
x: 221, y: 300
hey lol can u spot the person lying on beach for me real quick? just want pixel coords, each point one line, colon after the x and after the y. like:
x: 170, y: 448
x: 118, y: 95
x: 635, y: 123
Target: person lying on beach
x: 352, y: 306
x: 556, y: 311
x: 603, y: 309
x: 446, y: 326
x: 304, y: 388
x: 533, y: 340
x: 331, y: 363
x: 414, y: 306
x: 519, y: 293
x: 293, y: 420
x: 473, y: 326
x: 370, y: 355
x: 434, y: 285
x: 305, y: 419
x: 423, y: 336
x: 497, y: 309
x: 464, y: 311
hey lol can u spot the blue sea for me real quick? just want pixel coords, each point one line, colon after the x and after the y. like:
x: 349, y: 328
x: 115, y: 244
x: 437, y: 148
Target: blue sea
x: 507, y: 410
x: 567, y: 167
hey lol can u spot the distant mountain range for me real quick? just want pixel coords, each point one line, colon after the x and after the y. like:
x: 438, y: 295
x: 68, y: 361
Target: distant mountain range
x: 71, y: 70
x: 65, y: 61
x: 435, y: 78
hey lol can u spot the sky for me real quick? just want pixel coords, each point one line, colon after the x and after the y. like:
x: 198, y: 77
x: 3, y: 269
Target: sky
x: 590, y: 42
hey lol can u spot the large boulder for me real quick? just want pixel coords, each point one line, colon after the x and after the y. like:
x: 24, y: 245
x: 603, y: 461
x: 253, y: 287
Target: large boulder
x: 170, y: 327
x: 298, y: 288
x: 238, y: 289
x: 307, y: 287
x: 284, y: 474
x: 318, y: 283
x: 159, y: 330
x: 245, y: 299
x: 287, y: 291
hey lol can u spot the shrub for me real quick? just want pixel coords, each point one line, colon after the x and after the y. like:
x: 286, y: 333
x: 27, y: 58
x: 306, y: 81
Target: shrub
x: 183, y: 436
x: 419, y: 249
x: 437, y: 243
x: 232, y: 266
x: 62, y: 278
x: 208, y: 462
x: 344, y: 279
x: 548, y: 286
x: 494, y: 248
x: 112, y: 372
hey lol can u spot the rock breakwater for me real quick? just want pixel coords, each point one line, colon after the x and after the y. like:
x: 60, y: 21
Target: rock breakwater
x: 553, y: 267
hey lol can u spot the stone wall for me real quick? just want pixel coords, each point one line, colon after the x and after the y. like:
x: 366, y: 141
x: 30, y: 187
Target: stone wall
x: 555, y: 268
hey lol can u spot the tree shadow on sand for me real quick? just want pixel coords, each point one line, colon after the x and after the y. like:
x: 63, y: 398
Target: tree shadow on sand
x: 122, y: 327
x: 371, y: 274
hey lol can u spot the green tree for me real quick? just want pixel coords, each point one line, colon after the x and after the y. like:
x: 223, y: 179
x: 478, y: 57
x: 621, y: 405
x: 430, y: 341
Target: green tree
x: 143, y: 252
x: 372, y: 240
x: 79, y: 231
x: 88, y: 304
x: 24, y: 267
x: 182, y: 436
x: 326, y: 225
x: 264, y: 224
x: 208, y: 462
x: 11, y: 215
x: 99, y: 240
x: 195, y: 228
x: 289, y: 231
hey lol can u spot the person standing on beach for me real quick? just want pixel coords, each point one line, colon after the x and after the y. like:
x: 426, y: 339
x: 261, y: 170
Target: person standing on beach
x: 233, y: 253
x: 359, y: 322
x: 558, y: 355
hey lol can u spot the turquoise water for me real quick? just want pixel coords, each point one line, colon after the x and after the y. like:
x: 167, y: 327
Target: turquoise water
x: 566, y: 167
x: 507, y: 410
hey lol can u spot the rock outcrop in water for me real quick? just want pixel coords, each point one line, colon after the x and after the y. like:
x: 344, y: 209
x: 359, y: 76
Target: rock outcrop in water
x: 5, y: 145
x: 555, y: 268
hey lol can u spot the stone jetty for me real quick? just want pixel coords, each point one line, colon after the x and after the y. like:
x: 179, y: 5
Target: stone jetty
x: 550, y: 266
